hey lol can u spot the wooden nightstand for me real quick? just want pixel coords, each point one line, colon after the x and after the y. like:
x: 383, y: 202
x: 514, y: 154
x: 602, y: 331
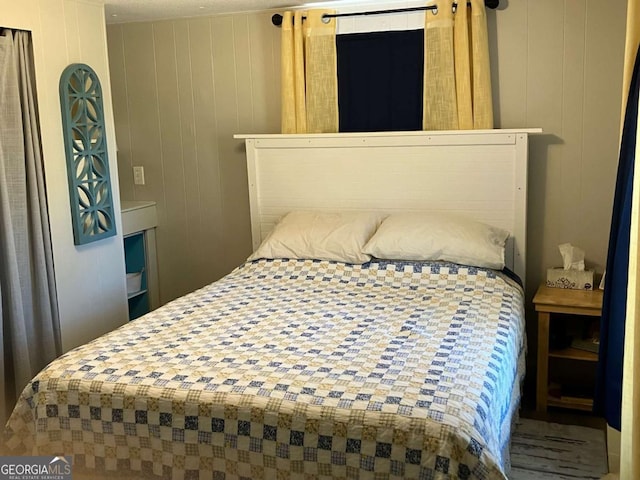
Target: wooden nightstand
x: 561, y: 301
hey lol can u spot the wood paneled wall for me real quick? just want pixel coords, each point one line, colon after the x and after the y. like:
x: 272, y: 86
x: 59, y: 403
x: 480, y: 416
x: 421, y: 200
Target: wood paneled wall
x: 182, y: 88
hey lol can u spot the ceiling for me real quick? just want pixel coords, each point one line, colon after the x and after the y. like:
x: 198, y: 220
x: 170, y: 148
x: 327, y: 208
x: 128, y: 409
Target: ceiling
x: 124, y: 11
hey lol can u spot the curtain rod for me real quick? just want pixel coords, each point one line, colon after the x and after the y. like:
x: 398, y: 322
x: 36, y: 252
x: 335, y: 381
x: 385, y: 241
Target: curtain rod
x: 276, y: 19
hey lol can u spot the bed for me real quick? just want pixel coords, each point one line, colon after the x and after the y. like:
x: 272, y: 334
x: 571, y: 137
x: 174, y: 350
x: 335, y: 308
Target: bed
x: 310, y: 367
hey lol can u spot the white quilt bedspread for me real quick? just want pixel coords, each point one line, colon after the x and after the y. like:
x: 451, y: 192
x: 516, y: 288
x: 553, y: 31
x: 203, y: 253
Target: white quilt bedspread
x: 296, y: 369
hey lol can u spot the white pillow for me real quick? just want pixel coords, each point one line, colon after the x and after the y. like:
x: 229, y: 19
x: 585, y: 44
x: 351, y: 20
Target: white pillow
x: 438, y: 236
x: 320, y: 235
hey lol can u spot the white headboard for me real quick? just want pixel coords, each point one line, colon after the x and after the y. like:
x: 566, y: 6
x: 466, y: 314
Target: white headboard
x: 480, y: 173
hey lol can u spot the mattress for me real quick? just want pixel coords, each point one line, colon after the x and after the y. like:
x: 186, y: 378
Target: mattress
x: 296, y: 369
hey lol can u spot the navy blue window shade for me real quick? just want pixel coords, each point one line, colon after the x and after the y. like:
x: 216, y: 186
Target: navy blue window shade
x: 380, y: 81
x: 86, y: 150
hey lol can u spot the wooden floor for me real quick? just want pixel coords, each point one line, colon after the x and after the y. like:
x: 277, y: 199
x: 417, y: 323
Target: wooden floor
x: 551, y: 451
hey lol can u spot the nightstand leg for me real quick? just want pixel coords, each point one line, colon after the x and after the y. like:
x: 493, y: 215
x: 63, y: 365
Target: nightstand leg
x: 542, y: 386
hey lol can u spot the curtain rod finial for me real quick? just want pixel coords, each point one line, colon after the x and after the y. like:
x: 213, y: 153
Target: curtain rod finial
x: 493, y: 4
x: 276, y: 19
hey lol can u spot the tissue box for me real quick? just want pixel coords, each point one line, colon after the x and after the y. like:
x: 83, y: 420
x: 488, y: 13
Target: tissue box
x: 573, y: 279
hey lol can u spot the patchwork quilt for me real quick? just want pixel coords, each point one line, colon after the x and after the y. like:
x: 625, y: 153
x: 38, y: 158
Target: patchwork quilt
x: 296, y: 369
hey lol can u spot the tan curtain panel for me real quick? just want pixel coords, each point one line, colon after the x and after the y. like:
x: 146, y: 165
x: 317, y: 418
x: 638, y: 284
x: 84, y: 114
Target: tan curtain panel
x: 309, y: 73
x: 292, y: 75
x: 631, y: 47
x: 630, y: 435
x: 440, y: 109
x: 457, y: 79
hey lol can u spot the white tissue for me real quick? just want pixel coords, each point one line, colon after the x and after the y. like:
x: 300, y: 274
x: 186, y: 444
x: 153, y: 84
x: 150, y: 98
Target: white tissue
x: 572, y: 257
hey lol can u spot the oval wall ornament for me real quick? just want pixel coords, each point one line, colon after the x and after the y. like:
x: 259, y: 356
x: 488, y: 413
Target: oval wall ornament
x: 86, y: 151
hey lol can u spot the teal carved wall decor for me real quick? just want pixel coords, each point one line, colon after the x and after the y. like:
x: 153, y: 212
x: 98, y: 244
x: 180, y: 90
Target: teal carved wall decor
x: 86, y: 148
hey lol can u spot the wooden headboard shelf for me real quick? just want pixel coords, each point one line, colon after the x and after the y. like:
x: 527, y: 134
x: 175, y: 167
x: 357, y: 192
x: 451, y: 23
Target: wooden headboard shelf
x: 479, y: 173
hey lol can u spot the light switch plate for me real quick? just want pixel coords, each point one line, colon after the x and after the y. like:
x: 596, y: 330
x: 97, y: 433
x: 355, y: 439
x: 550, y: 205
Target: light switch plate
x: 138, y: 175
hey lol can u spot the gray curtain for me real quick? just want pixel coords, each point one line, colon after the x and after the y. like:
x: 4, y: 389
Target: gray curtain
x: 30, y: 333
